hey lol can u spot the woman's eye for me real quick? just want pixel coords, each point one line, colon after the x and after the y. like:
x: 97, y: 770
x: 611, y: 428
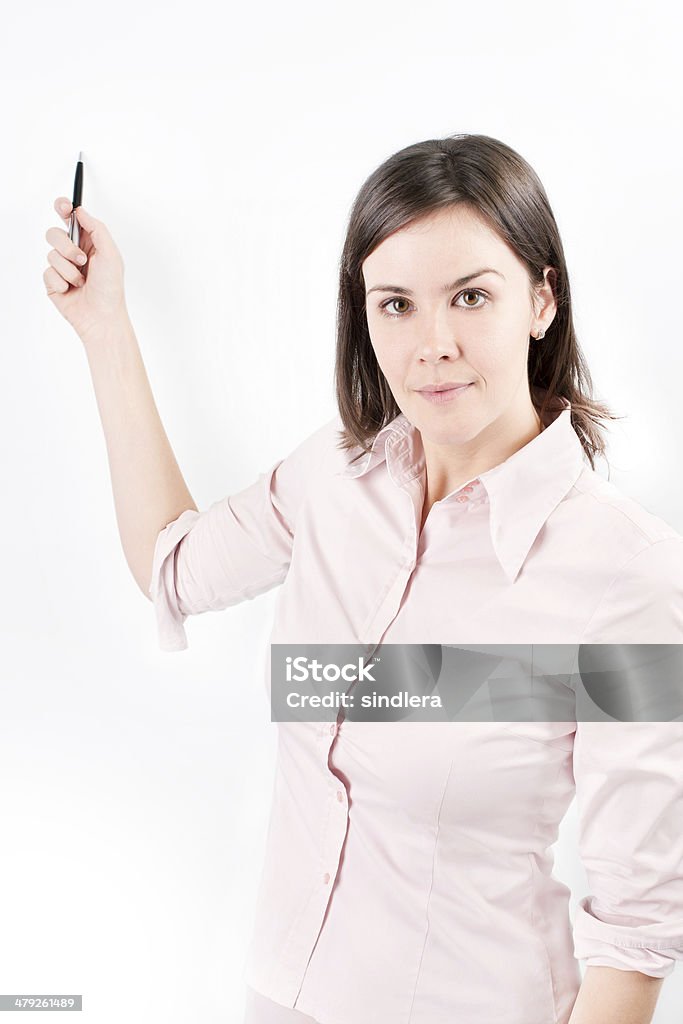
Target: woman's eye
x: 472, y: 292
x: 468, y: 294
x: 384, y: 305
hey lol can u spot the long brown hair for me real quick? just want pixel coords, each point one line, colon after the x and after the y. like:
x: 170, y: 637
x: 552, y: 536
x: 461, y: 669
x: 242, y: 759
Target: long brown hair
x: 497, y: 183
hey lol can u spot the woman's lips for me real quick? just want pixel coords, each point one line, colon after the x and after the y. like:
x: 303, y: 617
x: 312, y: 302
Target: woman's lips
x: 439, y: 397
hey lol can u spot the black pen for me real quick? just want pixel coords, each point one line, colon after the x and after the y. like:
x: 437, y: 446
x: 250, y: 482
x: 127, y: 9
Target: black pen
x: 74, y: 227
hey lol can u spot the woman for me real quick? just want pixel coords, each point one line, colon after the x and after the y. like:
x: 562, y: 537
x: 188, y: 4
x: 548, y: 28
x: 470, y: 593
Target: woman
x: 452, y: 500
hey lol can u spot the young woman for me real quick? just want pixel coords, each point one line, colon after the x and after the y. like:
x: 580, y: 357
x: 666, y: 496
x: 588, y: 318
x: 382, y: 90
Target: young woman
x: 453, y: 500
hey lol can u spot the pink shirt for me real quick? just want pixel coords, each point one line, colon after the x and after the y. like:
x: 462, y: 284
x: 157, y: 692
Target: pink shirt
x: 408, y: 870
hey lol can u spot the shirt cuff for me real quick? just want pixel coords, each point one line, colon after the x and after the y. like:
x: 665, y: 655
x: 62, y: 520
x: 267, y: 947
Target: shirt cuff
x: 651, y: 949
x: 162, y: 589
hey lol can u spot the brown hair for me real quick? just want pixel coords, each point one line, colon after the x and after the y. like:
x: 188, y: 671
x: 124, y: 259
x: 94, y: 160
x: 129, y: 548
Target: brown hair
x: 503, y: 189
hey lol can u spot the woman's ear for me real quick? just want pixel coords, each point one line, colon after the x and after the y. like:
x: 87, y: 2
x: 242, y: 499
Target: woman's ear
x: 545, y: 302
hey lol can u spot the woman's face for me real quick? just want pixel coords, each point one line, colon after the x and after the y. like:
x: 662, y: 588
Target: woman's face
x: 426, y: 329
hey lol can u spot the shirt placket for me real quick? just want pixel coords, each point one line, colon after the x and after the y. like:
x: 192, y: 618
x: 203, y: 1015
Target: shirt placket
x: 334, y: 825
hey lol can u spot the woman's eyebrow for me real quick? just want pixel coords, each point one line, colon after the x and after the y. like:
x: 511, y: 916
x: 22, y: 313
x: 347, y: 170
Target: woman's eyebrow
x: 447, y: 288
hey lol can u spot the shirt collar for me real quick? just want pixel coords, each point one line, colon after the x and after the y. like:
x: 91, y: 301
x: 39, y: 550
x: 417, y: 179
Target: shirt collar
x: 522, y: 491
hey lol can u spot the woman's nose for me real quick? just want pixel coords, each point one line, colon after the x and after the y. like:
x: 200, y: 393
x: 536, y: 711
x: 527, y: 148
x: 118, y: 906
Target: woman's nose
x: 437, y: 343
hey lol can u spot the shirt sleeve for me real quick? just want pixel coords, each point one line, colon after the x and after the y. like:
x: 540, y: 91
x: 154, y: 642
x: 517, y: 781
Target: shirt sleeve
x: 237, y: 548
x: 629, y: 789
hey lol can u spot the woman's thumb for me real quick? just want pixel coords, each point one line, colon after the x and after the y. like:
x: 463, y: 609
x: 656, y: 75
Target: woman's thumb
x: 94, y: 227
x: 85, y: 219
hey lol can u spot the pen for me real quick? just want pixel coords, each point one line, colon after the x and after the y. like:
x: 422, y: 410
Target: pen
x: 74, y: 227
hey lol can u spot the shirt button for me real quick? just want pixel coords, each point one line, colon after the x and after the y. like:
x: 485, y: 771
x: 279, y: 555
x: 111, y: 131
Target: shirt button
x: 326, y: 877
x: 462, y: 497
x: 340, y: 796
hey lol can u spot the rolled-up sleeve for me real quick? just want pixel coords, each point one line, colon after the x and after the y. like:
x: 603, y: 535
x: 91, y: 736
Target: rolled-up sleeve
x: 629, y: 789
x: 236, y: 549
x: 629, y: 784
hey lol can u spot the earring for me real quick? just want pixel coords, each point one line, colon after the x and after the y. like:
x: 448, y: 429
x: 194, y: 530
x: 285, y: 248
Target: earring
x: 541, y: 334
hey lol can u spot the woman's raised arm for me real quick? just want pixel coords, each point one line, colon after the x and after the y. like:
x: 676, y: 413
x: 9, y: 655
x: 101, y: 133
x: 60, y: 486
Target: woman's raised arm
x: 148, y: 487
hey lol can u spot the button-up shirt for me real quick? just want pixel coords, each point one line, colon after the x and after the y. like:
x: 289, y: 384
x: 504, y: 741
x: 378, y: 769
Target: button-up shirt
x: 407, y: 876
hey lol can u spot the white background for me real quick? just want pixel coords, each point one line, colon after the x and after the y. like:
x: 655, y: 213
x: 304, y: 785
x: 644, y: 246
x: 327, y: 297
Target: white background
x: 224, y: 147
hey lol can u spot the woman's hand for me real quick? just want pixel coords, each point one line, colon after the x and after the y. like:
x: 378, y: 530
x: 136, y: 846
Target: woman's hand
x: 88, y: 293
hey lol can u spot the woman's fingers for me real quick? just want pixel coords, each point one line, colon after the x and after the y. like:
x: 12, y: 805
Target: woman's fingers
x: 66, y: 256
x: 64, y: 245
x: 54, y: 282
x: 65, y: 268
x: 63, y: 207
